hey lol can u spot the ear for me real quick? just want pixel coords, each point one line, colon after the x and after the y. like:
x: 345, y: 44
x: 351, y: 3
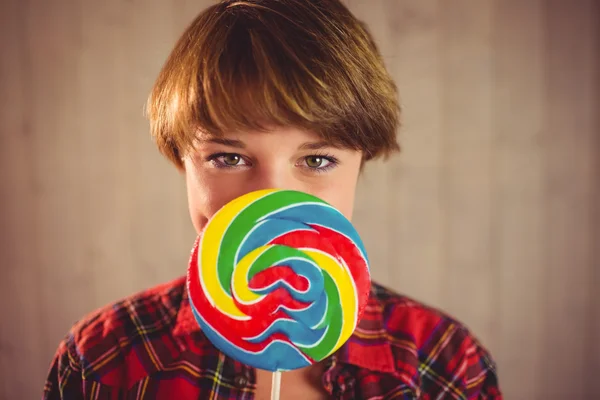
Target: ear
x: 181, y: 164
x: 177, y: 158
x: 362, y: 165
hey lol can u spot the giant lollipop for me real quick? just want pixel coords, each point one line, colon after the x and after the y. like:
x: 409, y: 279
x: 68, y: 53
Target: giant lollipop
x: 278, y: 279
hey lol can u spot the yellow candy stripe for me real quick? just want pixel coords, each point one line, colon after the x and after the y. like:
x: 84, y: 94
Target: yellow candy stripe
x: 347, y: 290
x: 239, y: 281
x: 211, y: 245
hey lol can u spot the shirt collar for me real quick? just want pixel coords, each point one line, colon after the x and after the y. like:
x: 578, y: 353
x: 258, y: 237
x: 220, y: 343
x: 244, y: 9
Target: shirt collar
x: 186, y: 323
x: 367, y: 348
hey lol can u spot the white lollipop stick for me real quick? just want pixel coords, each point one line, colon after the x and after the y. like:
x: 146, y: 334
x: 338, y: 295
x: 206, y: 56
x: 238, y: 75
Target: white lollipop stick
x: 276, y: 385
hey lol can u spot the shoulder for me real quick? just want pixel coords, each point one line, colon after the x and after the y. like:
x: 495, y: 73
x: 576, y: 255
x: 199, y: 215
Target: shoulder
x: 406, y: 317
x: 107, y: 341
x: 443, y: 352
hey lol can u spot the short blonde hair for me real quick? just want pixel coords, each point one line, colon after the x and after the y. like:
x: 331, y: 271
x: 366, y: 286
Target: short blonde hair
x: 257, y: 64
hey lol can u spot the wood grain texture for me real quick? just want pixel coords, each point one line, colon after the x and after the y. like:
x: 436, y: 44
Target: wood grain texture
x: 518, y: 251
x: 593, y: 355
x: 491, y: 212
x: 570, y: 183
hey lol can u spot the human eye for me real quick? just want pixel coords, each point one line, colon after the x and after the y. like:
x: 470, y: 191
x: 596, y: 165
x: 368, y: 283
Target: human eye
x: 227, y: 160
x: 319, y: 162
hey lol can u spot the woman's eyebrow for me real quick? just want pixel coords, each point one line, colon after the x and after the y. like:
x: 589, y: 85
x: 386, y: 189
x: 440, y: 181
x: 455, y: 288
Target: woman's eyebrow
x: 314, y: 145
x: 226, y: 142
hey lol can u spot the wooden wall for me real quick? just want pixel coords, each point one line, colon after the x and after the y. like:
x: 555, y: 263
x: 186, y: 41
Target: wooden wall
x: 491, y: 213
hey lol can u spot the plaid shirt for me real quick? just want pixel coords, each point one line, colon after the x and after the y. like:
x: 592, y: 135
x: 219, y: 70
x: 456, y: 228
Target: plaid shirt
x: 150, y: 346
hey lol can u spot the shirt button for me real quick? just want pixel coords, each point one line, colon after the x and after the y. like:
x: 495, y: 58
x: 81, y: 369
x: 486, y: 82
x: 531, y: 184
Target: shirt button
x: 240, y: 381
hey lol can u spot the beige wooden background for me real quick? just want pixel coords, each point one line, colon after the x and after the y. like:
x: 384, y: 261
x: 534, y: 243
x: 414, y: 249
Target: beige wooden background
x: 491, y: 213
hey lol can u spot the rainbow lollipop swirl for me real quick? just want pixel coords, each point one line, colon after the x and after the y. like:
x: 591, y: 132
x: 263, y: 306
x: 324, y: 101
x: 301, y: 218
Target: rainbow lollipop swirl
x: 278, y: 280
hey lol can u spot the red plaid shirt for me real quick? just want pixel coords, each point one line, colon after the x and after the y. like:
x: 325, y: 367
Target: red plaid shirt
x: 149, y: 346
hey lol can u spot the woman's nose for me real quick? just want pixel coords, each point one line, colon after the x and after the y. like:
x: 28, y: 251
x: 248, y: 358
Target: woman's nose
x: 273, y: 177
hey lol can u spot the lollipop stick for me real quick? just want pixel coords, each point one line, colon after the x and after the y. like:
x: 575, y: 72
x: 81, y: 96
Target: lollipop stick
x: 276, y: 385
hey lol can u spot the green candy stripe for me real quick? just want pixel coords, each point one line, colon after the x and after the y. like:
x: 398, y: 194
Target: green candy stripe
x: 245, y: 221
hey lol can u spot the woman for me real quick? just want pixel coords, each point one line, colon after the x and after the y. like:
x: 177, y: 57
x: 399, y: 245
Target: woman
x: 270, y: 94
